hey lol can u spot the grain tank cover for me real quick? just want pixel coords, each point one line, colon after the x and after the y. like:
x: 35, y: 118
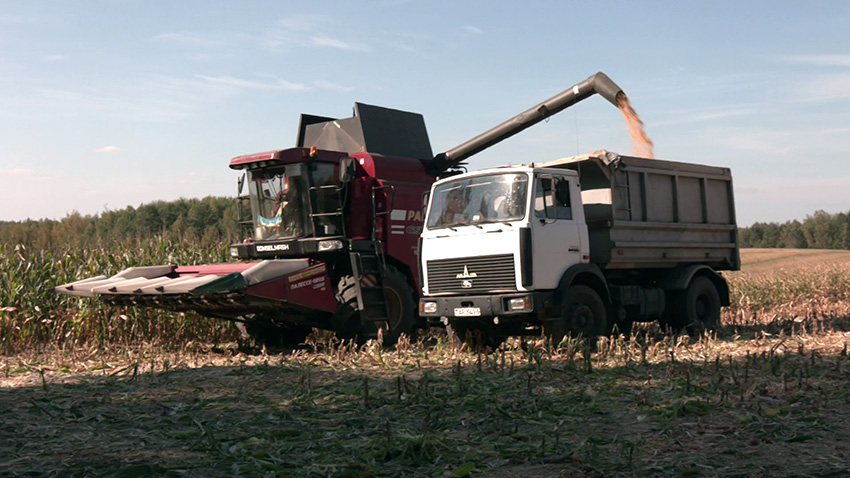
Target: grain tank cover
x: 372, y: 129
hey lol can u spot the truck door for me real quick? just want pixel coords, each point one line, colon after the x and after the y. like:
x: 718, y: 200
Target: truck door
x: 559, y: 239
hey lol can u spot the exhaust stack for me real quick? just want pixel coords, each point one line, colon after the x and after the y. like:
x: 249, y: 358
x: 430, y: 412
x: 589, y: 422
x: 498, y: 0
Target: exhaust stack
x: 598, y: 83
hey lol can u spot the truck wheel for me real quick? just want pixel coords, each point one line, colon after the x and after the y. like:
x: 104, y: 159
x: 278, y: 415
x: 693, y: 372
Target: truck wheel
x: 582, y: 314
x: 477, y: 338
x: 269, y: 333
x: 700, y: 308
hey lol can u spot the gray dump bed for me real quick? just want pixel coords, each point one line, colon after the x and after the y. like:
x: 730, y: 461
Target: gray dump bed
x: 648, y: 213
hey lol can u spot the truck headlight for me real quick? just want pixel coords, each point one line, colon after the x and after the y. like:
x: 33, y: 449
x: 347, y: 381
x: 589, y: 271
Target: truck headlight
x: 429, y: 307
x: 330, y: 245
x: 520, y: 303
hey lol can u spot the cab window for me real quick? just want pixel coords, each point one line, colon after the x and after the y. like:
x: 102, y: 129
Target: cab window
x: 552, y: 198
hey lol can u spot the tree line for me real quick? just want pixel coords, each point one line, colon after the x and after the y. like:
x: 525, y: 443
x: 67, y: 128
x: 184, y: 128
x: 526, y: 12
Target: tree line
x: 207, y: 222
x: 213, y: 222
x: 818, y: 231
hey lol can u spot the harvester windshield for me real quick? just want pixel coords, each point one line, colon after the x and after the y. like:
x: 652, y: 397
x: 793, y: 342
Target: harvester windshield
x: 278, y: 198
x: 284, y: 199
x: 479, y: 199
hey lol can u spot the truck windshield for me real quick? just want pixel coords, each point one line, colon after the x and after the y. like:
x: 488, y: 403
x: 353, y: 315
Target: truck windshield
x: 478, y: 200
x: 278, y: 203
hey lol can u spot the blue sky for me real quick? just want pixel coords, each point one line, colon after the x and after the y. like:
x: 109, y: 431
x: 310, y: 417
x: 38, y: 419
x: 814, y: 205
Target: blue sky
x: 115, y: 103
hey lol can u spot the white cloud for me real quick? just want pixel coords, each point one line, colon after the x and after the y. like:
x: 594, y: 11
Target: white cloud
x: 275, y: 84
x: 707, y: 115
x: 190, y: 39
x: 298, y: 31
x: 55, y: 58
x: 824, y: 88
x: 332, y: 43
x: 16, y: 171
x: 329, y: 85
x: 108, y: 149
x: 8, y: 18
x: 305, y: 23
x: 764, y: 142
x: 818, y: 60
x: 473, y: 30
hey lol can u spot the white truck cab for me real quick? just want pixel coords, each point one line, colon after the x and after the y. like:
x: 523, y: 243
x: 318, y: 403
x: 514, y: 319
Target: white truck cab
x: 505, y: 232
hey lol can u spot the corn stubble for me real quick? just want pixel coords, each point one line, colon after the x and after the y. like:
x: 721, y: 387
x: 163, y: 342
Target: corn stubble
x: 767, y: 392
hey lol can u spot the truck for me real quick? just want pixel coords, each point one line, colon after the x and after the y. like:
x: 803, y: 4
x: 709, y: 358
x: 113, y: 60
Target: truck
x: 582, y: 246
x: 334, y: 226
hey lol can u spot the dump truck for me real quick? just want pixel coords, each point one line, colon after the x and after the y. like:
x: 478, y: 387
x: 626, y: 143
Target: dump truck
x: 581, y: 246
x: 335, y: 224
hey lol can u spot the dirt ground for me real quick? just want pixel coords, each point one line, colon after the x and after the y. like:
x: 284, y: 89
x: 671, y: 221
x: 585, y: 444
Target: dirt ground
x: 723, y: 407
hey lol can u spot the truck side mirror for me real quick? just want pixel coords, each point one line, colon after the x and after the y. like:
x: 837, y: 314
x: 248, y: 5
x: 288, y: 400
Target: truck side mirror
x: 347, y: 170
x: 425, y: 197
x: 562, y: 193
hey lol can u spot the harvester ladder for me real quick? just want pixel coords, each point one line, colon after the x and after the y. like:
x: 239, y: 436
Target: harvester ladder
x: 244, y: 217
x: 369, y: 268
x: 369, y: 264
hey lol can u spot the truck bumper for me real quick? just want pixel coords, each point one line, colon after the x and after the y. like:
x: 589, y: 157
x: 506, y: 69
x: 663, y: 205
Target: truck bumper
x: 491, y: 305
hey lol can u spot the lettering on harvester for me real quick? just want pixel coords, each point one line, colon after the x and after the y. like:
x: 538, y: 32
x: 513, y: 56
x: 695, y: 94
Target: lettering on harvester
x: 273, y: 247
x: 316, y: 282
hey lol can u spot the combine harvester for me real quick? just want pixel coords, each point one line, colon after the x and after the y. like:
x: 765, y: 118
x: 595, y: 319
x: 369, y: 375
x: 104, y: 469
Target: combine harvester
x: 336, y: 223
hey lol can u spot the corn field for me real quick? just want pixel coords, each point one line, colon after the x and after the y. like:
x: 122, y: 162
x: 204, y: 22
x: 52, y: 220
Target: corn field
x: 32, y: 316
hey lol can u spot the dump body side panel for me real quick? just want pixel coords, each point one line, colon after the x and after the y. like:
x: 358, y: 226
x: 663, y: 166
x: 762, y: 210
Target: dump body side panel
x: 651, y: 213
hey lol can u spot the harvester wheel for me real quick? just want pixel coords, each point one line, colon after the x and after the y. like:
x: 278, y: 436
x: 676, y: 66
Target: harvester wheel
x: 346, y: 320
x: 264, y: 332
x: 696, y: 309
x: 582, y: 315
x: 401, y: 310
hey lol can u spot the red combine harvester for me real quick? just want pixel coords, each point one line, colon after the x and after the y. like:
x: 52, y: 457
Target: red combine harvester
x: 336, y: 223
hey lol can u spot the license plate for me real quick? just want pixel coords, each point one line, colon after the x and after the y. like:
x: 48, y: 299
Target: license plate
x: 467, y: 312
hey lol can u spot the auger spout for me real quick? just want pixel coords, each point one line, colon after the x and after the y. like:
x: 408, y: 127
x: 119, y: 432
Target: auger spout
x: 598, y: 83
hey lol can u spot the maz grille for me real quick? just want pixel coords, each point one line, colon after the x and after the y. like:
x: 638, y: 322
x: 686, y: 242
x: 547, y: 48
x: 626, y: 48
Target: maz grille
x: 482, y: 273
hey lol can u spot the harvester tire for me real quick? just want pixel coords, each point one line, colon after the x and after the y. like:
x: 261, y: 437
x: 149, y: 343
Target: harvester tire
x: 268, y: 333
x: 401, y: 310
x: 346, y: 320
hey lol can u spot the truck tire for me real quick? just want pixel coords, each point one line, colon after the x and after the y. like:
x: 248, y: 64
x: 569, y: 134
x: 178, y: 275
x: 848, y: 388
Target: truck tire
x: 582, y: 315
x: 695, y: 310
x: 475, y: 336
x: 401, y: 310
x: 269, y: 333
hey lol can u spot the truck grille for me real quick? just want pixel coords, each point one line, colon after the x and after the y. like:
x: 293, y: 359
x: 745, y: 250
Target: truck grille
x: 472, y: 274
